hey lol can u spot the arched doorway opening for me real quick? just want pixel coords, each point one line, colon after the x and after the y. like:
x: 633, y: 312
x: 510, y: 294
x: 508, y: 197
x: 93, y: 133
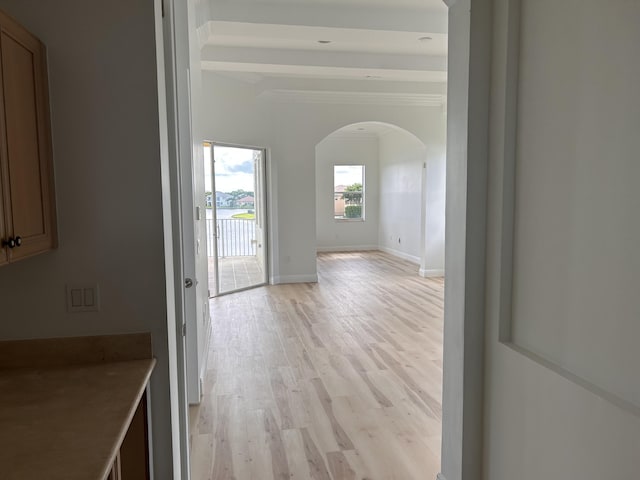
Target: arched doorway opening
x: 377, y: 189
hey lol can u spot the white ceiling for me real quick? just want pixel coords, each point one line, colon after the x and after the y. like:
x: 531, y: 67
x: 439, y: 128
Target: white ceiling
x: 299, y: 37
x: 278, y: 40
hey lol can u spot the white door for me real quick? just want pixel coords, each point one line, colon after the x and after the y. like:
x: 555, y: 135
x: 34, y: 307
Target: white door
x: 236, y: 217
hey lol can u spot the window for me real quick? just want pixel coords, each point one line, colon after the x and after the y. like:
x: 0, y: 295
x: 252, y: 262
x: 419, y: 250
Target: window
x: 348, y: 192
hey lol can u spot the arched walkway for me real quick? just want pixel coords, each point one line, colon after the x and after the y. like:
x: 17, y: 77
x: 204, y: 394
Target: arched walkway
x: 401, y: 185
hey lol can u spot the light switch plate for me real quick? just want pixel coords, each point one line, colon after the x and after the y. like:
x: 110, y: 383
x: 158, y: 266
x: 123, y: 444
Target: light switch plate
x: 83, y: 298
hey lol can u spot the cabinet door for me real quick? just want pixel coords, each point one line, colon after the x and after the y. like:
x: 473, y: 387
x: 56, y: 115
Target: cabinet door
x: 134, y: 451
x: 26, y: 141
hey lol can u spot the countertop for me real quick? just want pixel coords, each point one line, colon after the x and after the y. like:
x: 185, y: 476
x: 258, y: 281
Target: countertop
x: 67, y: 422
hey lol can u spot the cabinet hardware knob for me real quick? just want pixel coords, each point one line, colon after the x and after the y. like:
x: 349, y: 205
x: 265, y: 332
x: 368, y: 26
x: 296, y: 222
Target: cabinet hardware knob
x: 10, y: 242
x: 18, y: 240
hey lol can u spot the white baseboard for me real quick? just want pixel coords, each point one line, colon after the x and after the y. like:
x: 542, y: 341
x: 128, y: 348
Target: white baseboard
x: 350, y: 248
x: 440, y: 476
x: 203, y: 367
x: 205, y: 360
x: 313, y: 278
x: 430, y: 273
x: 309, y: 278
x: 399, y: 254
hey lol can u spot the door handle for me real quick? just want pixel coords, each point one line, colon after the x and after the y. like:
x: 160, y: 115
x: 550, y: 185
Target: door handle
x: 188, y: 283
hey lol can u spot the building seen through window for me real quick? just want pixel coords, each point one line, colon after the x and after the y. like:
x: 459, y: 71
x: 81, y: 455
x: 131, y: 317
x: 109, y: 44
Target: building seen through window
x: 348, y: 192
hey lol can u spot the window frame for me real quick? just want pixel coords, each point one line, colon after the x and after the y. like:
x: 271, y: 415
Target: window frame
x: 335, y: 193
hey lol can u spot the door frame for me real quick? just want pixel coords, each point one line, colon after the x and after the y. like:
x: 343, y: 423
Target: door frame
x: 216, y: 289
x: 468, y: 116
x: 267, y: 200
x: 171, y: 25
x: 469, y: 82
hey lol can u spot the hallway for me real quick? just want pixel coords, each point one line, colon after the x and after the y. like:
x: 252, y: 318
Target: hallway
x: 336, y: 380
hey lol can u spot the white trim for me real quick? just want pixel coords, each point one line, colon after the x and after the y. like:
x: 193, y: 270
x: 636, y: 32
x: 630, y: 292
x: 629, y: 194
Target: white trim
x: 166, y: 56
x: 271, y: 187
x: 205, y: 360
x: 423, y: 272
x: 399, y: 254
x: 354, y: 98
x: 468, y: 116
x: 204, y: 33
x: 348, y: 248
x: 356, y: 136
x: 304, y: 278
x: 440, y: 476
x: 509, y: 160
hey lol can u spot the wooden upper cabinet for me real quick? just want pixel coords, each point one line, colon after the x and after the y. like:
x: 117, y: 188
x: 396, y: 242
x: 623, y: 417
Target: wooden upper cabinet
x: 28, y: 226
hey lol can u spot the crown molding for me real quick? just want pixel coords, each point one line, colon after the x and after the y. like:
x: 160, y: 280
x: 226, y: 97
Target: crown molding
x: 354, y: 98
x: 353, y: 136
x: 204, y: 33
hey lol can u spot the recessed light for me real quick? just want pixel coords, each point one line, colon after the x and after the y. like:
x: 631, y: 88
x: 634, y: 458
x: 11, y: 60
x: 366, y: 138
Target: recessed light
x: 324, y: 42
x: 425, y: 39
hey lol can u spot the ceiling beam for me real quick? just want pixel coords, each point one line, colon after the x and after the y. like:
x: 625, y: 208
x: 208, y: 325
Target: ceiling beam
x: 324, y: 59
x: 354, y: 98
x: 268, y: 83
x: 288, y: 70
x: 337, y: 16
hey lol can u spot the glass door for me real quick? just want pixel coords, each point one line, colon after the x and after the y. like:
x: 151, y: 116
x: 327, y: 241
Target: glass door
x: 236, y: 217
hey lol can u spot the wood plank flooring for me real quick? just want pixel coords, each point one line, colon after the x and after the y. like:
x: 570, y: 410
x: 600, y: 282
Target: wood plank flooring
x: 339, y: 380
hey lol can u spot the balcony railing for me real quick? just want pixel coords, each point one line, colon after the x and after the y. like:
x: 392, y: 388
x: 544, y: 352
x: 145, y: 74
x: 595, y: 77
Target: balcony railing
x: 235, y: 237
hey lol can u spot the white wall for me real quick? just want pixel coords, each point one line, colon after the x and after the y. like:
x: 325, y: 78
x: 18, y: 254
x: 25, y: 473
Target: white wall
x: 402, y: 158
x: 575, y: 265
x: 345, y: 149
x: 291, y: 132
x: 104, y: 106
x: 432, y: 264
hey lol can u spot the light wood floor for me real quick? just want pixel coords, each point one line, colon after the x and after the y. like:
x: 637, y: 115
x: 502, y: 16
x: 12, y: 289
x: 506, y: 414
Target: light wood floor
x: 329, y: 381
